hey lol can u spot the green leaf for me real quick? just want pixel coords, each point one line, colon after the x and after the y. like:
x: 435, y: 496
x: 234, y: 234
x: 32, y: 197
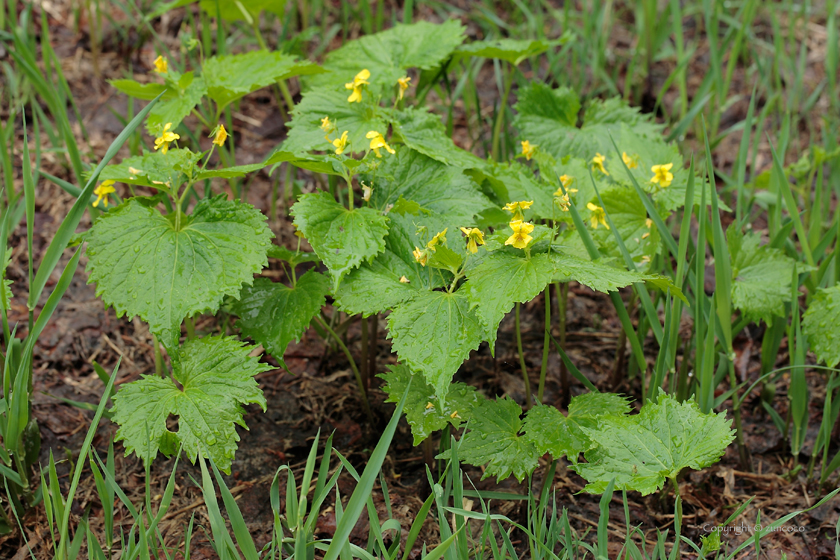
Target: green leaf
x: 513, y: 182
x: 424, y: 132
x: 640, y: 236
x: 425, y: 419
x: 821, y: 326
x: 215, y: 379
x: 137, y: 90
x: 616, y: 110
x: 387, y: 55
x: 435, y: 186
x: 172, y: 168
x: 175, y: 109
x: 761, y: 276
x: 357, y: 119
x: 643, y: 450
x: 230, y: 77
x: 558, y: 435
x: 375, y: 286
x: 546, y: 116
x: 342, y: 238
x: 509, y: 50
x: 594, y: 274
x: 502, y: 279
x: 274, y: 314
x: 143, y: 265
x: 445, y: 258
x: 494, y: 440
x: 433, y: 333
x: 292, y: 257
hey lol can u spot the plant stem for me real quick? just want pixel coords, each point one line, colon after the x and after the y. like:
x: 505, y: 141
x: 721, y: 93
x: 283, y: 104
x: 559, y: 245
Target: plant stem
x: 743, y: 453
x: 561, y: 290
x: 546, y: 340
x: 158, y: 356
x: 364, y: 357
x: 355, y: 369
x: 189, y: 322
x: 497, y: 128
x: 372, y: 345
x: 522, y: 359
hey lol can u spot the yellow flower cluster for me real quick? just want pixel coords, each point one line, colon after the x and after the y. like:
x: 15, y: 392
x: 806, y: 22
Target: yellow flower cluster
x: 102, y: 191
x: 562, y: 198
x: 528, y: 149
x: 166, y: 137
x: 361, y: 79
x: 422, y: 255
x: 598, y: 216
x: 662, y: 174
x: 475, y: 237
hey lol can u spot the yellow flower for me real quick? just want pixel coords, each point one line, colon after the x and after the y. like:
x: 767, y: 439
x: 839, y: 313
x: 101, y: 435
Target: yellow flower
x: 161, y: 66
x: 219, y: 135
x: 520, y: 237
x: 455, y: 415
x: 377, y: 141
x: 630, y: 162
x: 475, y: 237
x: 429, y: 405
x: 648, y: 223
x: 366, y: 192
x: 420, y: 255
x: 562, y: 201
x: 356, y: 85
x: 598, y: 216
x: 404, y: 280
x: 133, y: 172
x: 340, y: 143
x: 439, y: 238
x: 598, y: 163
x: 528, y: 149
x: 102, y: 191
x: 326, y: 124
x: 162, y: 142
x: 516, y: 209
x: 404, y: 83
x: 662, y: 174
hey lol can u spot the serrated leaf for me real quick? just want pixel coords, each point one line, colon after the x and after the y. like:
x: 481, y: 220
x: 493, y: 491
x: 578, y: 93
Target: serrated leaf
x: 628, y: 214
x: 494, y: 440
x: 513, y: 182
x: 433, y: 333
x: 292, y: 257
x: 388, y: 54
x: 425, y: 419
x: 143, y: 266
x: 342, y: 238
x: 435, y: 186
x: 172, y: 168
x: 376, y: 286
x: 175, y: 109
x: 230, y: 77
x: 593, y: 274
x: 509, y: 50
x: 137, y: 90
x: 274, y: 314
x: 558, y: 435
x: 215, y: 379
x: 424, y: 132
x: 357, y: 119
x: 616, y: 110
x: 643, y: 450
x: 821, y: 326
x: 502, y: 279
x: 761, y: 276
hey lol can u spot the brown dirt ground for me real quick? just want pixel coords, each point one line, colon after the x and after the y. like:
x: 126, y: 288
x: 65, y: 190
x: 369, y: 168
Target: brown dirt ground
x: 319, y: 393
